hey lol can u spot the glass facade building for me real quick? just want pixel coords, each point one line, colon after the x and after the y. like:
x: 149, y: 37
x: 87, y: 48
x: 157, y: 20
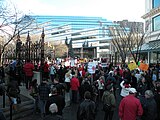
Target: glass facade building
x: 81, y: 29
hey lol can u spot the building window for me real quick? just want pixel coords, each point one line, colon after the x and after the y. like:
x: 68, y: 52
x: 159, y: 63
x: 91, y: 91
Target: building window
x: 156, y: 23
x: 104, y: 47
x: 155, y: 3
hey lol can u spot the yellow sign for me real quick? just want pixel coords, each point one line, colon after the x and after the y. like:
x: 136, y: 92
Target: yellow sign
x: 132, y: 66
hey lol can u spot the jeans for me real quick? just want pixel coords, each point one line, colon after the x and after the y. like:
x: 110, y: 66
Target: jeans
x: 42, y: 106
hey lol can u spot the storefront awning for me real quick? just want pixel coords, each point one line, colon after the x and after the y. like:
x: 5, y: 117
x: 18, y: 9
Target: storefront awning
x: 150, y: 47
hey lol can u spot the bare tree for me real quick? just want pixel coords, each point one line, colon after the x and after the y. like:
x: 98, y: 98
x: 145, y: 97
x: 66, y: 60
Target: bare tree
x: 127, y: 41
x: 12, y: 23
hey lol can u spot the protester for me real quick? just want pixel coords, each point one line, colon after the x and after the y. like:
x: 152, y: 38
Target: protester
x: 28, y: 70
x: 56, y: 98
x: 43, y: 90
x: 52, y: 72
x: 125, y: 85
x: 109, y: 102
x: 130, y: 107
x: 74, y: 87
x: 46, y: 70
x: 149, y: 106
x: 34, y: 94
x: 86, y: 110
x: 142, y: 86
x: 157, y: 99
x: 68, y: 77
x: 53, y: 110
x: 13, y: 92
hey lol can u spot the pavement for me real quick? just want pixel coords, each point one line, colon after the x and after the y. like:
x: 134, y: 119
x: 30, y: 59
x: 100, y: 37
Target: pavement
x: 69, y: 112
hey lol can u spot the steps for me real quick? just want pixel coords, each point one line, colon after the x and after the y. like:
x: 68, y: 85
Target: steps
x: 24, y: 109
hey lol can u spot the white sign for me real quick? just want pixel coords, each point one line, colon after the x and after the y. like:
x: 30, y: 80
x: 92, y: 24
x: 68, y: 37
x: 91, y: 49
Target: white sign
x: 72, y: 63
x: 91, y: 67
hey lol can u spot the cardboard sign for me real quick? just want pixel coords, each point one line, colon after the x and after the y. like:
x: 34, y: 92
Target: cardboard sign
x: 132, y: 66
x: 143, y: 66
x: 91, y: 67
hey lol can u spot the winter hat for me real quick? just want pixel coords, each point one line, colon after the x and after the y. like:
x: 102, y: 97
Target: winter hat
x: 132, y: 90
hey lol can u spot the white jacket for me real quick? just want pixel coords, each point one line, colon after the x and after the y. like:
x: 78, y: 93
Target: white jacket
x: 124, y: 91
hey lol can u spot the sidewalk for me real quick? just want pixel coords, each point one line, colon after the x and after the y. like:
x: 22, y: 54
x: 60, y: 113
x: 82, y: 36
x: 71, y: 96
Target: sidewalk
x: 24, y: 95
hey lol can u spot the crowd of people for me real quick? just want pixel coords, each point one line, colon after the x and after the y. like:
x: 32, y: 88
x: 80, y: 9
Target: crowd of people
x: 138, y: 90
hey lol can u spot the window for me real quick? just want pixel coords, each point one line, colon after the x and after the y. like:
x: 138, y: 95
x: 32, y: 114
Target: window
x: 156, y: 23
x: 104, y: 47
x: 155, y: 3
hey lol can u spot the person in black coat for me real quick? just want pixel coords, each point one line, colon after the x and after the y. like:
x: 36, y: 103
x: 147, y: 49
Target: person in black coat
x: 149, y: 106
x: 142, y: 86
x: 85, y: 87
x: 157, y: 99
x: 133, y: 81
x: 86, y: 110
x: 54, y: 110
x: 59, y: 100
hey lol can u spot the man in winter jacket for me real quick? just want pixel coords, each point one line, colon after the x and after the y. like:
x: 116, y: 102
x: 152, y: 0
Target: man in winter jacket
x: 130, y: 107
x: 86, y: 110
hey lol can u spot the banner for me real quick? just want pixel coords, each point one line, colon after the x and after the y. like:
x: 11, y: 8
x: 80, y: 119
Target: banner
x: 132, y: 66
x: 91, y: 67
x: 143, y: 66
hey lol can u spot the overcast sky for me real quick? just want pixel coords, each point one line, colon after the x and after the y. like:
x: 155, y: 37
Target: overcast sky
x: 110, y: 9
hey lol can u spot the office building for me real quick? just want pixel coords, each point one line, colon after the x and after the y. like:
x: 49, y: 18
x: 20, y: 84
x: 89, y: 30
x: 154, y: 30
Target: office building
x: 152, y: 30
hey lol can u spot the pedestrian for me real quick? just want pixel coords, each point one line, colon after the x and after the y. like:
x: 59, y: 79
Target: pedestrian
x: 109, y: 102
x: 59, y: 100
x: 125, y: 85
x: 34, y: 94
x: 157, y: 99
x: 142, y: 86
x: 130, y: 107
x: 13, y: 92
x: 28, y: 70
x: 46, y: 70
x: 74, y: 87
x: 54, y: 113
x: 68, y: 77
x: 149, y: 106
x: 86, y: 110
x: 43, y: 90
x: 52, y: 72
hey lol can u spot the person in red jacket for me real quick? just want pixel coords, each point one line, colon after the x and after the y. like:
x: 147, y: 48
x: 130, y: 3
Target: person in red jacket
x: 130, y: 107
x: 74, y: 87
x: 28, y: 70
x: 46, y: 70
